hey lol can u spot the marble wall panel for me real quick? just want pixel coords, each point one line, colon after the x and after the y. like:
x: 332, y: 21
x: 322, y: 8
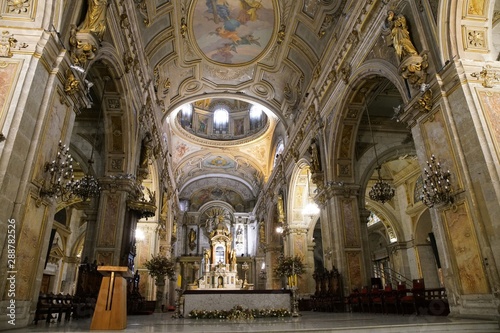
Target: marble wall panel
x: 468, y: 259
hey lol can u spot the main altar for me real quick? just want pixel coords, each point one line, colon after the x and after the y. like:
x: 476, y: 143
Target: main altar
x: 219, y: 262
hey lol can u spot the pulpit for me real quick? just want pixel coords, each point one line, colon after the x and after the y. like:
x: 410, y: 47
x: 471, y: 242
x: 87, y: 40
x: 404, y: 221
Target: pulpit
x: 111, y: 308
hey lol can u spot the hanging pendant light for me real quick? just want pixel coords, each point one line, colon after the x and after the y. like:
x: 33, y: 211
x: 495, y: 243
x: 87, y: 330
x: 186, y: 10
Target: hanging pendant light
x: 88, y: 187
x: 381, y: 191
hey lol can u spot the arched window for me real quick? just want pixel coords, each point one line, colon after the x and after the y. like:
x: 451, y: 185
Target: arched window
x: 220, y: 255
x: 221, y: 121
x: 186, y: 115
x: 279, y: 149
x: 255, y: 117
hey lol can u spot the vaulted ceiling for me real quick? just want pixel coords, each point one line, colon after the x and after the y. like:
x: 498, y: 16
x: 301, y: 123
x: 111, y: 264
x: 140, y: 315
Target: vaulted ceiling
x: 256, y: 52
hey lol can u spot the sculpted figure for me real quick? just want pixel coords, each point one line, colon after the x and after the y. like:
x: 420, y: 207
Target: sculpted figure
x: 192, y: 239
x: 400, y: 35
x: 315, y: 159
x: 146, y: 150
x: 95, y: 20
x: 281, y: 208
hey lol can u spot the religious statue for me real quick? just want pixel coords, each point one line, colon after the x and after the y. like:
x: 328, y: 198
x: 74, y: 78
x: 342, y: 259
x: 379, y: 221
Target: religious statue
x: 146, y: 149
x: 281, y: 209
x: 315, y: 159
x: 232, y: 261
x: 262, y: 233
x: 239, y: 235
x: 400, y: 35
x: 95, y: 20
x: 192, y: 239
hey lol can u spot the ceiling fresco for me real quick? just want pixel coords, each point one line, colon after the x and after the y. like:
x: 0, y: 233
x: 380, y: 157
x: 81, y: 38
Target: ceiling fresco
x: 233, y: 31
x: 219, y: 193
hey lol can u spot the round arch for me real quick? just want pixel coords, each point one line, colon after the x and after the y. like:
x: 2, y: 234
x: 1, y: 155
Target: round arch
x: 363, y: 82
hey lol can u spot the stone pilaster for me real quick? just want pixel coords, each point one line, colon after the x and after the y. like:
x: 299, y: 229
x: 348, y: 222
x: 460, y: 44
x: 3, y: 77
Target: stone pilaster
x: 112, y: 229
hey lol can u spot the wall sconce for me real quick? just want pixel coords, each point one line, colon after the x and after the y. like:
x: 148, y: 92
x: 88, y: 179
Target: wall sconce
x: 437, y: 186
x: 61, y: 172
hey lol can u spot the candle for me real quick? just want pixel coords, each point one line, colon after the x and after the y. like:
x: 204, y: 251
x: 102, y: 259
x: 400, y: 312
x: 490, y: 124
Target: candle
x: 295, y: 279
x: 179, y: 281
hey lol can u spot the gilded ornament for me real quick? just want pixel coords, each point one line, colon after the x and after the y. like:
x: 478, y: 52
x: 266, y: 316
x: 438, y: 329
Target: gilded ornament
x: 425, y: 102
x: 7, y: 42
x: 489, y: 77
x: 281, y: 34
x: 18, y: 6
x: 72, y: 84
x: 184, y: 27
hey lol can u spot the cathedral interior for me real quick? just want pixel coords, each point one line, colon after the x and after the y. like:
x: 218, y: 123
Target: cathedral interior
x: 359, y: 136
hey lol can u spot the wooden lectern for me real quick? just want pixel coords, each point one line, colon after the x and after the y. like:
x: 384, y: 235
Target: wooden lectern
x: 111, y: 308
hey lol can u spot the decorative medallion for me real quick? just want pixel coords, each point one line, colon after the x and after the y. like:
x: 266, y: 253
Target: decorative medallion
x: 233, y: 31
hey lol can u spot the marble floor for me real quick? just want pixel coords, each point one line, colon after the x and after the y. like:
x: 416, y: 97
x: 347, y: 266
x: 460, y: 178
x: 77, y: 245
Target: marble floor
x: 306, y: 322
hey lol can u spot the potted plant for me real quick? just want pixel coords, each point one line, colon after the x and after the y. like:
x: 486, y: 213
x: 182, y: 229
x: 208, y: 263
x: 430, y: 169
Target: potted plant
x: 160, y: 267
x: 290, y: 267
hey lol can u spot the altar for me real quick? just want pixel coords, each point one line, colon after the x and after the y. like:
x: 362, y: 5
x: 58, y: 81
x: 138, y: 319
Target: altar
x: 211, y: 300
x: 219, y: 270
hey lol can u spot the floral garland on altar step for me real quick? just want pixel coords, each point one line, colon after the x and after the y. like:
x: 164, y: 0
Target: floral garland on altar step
x: 238, y: 313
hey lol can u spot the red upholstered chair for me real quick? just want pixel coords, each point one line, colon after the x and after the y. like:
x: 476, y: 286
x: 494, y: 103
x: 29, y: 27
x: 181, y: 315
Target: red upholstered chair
x: 365, y: 300
x: 414, y: 298
x: 353, y: 301
x: 377, y: 299
x: 392, y: 297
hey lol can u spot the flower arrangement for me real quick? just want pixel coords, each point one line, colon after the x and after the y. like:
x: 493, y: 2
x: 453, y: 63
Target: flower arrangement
x: 238, y: 313
x: 160, y: 267
x: 289, y: 266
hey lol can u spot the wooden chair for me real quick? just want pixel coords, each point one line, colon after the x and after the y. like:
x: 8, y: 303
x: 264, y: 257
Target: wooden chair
x: 365, y: 300
x: 414, y: 298
x: 391, y: 297
x: 377, y: 299
x: 354, y: 301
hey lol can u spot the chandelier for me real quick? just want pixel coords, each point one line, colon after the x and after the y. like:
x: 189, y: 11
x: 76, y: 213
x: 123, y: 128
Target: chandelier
x: 437, y: 187
x: 61, y: 175
x: 88, y: 187
x: 62, y: 182
x: 381, y: 191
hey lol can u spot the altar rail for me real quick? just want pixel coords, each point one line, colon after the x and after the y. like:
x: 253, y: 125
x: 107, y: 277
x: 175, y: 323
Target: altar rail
x: 210, y: 300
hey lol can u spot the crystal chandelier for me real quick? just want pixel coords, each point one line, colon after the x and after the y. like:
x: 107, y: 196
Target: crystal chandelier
x: 61, y: 175
x: 381, y: 191
x: 437, y: 187
x: 88, y: 187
